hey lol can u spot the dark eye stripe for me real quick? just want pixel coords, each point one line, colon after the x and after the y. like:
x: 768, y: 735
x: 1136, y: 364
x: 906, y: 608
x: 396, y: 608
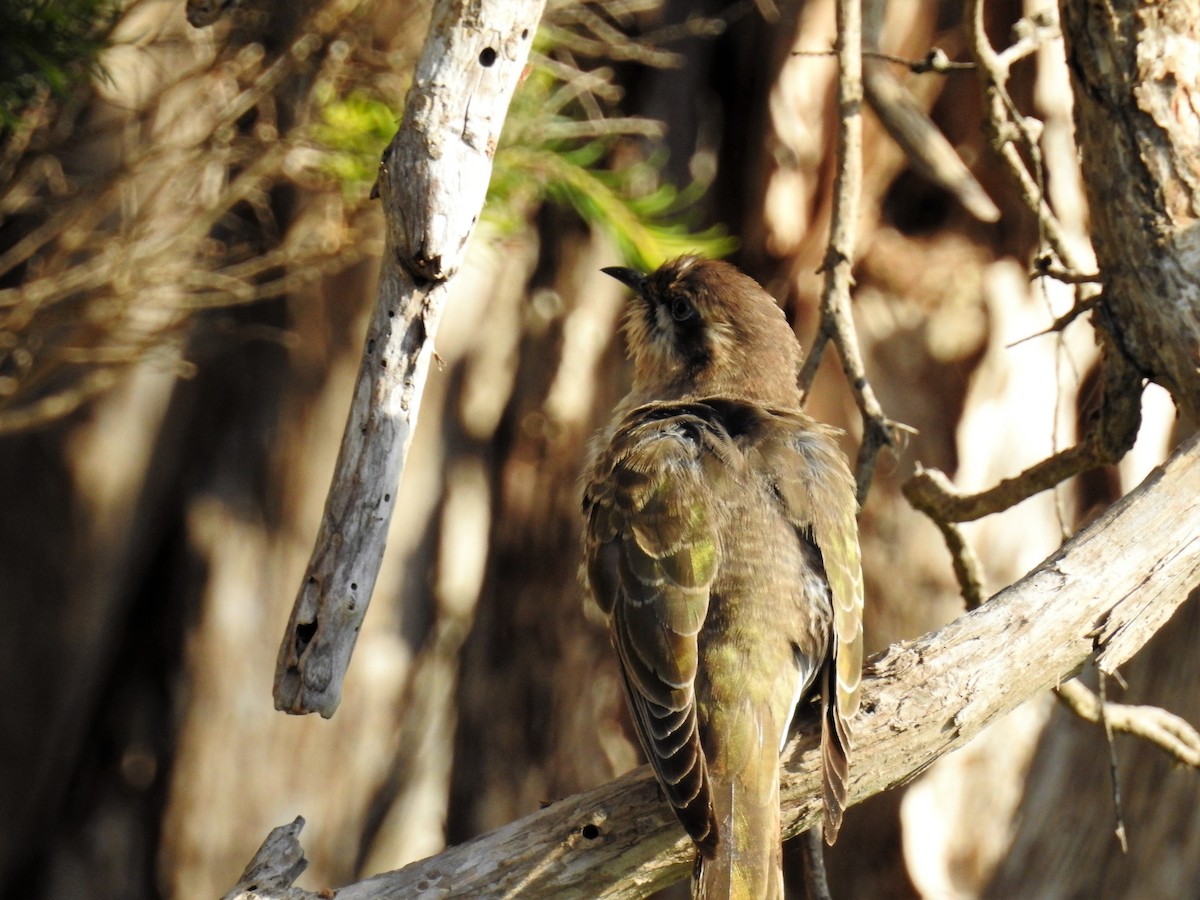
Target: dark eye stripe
x: 691, y: 341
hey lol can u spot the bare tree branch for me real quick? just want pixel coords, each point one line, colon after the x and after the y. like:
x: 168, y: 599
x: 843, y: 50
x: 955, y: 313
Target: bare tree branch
x: 837, y: 324
x: 432, y: 180
x: 921, y: 700
x: 277, y: 864
x: 1006, y: 127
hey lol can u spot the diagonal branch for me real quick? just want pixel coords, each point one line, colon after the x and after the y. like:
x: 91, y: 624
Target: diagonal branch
x: 1136, y: 563
x: 432, y: 182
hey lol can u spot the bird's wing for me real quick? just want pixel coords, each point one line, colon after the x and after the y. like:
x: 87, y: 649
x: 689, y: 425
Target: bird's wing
x: 812, y: 480
x: 651, y: 557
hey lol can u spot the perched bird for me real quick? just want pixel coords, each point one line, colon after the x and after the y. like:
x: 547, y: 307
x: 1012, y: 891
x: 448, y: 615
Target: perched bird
x: 721, y: 543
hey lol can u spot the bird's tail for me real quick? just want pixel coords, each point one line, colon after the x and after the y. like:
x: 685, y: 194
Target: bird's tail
x: 835, y: 757
x: 747, y: 863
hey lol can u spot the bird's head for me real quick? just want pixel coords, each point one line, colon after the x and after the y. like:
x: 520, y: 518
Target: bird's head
x: 699, y: 327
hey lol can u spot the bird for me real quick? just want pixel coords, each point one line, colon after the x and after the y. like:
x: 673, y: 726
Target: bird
x: 721, y: 543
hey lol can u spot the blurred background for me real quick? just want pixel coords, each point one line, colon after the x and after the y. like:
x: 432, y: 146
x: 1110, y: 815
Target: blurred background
x: 188, y: 255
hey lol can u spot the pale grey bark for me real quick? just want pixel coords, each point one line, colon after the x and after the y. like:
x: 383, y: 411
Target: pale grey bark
x: 432, y: 182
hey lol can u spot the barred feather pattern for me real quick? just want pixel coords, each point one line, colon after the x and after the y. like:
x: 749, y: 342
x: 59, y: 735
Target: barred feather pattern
x: 715, y: 548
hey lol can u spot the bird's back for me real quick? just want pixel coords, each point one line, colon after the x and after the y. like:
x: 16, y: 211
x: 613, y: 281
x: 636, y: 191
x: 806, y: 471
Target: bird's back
x: 680, y: 483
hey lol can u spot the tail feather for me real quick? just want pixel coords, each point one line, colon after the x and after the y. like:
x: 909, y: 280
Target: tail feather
x: 835, y: 758
x: 748, y: 859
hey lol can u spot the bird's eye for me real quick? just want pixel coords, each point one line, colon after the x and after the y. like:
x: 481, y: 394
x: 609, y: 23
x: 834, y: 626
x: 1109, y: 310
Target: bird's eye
x: 682, y: 309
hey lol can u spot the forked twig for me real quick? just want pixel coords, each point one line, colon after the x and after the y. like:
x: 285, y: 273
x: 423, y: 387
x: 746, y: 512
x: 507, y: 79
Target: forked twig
x: 837, y: 324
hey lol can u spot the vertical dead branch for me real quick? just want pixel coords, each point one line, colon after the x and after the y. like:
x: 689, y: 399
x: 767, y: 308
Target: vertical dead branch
x: 432, y: 182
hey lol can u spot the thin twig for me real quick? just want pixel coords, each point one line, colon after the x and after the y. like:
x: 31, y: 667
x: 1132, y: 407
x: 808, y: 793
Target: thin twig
x: 812, y: 849
x: 966, y: 565
x: 1032, y: 33
x: 934, y: 62
x: 1174, y: 735
x: 1005, y: 126
x: 1061, y: 322
x: 1114, y: 775
x: 837, y: 324
x: 1068, y: 277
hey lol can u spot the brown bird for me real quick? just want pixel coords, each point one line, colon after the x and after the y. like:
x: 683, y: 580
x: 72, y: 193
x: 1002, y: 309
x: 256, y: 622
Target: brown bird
x: 721, y: 544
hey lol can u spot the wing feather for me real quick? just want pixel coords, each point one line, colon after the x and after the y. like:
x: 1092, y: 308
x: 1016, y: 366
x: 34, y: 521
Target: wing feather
x: 652, y: 554
x: 813, y: 481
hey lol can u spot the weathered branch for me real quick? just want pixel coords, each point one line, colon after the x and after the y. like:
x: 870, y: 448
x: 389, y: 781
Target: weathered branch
x: 432, y: 180
x: 275, y: 867
x: 1135, y: 71
x: 1005, y: 127
x: 1133, y: 565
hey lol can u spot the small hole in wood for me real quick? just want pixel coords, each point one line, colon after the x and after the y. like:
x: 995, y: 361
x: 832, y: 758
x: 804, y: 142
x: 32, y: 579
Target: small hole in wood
x: 487, y: 57
x: 590, y: 832
x: 353, y: 586
x: 305, y: 632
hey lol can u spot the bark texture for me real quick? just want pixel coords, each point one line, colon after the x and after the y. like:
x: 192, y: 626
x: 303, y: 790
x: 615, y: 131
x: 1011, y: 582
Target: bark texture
x: 1135, y: 72
x: 432, y: 182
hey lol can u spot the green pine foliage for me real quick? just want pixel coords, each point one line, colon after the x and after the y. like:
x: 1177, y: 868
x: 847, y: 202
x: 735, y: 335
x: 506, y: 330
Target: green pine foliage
x: 555, y: 148
x: 48, y: 45
x: 554, y: 153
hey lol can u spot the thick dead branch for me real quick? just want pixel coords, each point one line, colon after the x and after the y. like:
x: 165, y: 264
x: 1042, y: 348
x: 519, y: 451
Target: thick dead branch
x: 921, y: 699
x: 432, y: 180
x: 1135, y: 71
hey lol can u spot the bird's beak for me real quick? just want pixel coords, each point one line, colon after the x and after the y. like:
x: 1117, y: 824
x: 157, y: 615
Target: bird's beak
x: 631, y: 278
